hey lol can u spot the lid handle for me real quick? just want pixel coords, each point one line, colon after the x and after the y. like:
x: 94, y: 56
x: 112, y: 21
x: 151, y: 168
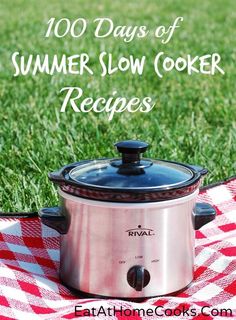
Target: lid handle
x: 131, y: 150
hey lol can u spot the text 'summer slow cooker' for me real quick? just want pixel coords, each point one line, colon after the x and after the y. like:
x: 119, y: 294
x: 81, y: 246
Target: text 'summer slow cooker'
x: 127, y: 225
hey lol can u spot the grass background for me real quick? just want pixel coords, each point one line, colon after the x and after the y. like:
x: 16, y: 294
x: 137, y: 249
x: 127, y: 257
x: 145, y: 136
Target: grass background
x: 193, y: 120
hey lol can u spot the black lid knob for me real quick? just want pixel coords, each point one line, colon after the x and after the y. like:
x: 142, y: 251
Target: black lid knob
x: 131, y: 150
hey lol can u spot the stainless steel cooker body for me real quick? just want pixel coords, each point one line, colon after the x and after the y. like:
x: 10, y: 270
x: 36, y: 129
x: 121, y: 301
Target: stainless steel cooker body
x: 127, y: 250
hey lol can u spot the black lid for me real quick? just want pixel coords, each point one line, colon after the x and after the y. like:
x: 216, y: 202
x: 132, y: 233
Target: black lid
x: 130, y: 178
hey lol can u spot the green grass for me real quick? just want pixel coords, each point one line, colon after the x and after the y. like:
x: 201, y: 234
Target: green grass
x: 193, y: 120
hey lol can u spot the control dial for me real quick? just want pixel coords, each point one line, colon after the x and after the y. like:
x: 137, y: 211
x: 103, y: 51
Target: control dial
x: 138, y: 277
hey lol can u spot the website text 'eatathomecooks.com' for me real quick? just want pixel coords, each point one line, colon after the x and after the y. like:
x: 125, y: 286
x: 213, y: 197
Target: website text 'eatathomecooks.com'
x: 158, y: 311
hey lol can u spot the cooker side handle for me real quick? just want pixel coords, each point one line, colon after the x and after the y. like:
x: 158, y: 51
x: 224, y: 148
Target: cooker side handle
x: 53, y: 218
x: 202, y: 214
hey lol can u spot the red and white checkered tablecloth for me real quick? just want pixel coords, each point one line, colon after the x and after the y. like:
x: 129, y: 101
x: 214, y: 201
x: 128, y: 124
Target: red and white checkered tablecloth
x: 30, y: 288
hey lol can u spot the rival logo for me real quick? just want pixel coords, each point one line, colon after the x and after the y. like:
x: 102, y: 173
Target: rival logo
x: 140, y: 232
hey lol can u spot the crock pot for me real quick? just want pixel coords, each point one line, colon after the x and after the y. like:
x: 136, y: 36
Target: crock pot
x: 128, y: 224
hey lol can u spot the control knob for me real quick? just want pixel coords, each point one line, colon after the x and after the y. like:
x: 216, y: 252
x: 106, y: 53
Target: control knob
x: 138, y: 277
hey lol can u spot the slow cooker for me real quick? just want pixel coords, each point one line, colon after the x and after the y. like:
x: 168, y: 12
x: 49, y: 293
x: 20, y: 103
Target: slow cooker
x: 127, y: 224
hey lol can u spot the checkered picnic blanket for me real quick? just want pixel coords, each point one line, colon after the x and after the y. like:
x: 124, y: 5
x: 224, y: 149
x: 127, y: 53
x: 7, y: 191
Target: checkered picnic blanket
x: 30, y: 288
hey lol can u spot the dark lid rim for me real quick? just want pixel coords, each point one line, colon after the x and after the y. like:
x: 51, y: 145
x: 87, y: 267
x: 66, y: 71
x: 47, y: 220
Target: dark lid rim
x: 133, y: 190
x: 151, y: 188
x: 64, y: 179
